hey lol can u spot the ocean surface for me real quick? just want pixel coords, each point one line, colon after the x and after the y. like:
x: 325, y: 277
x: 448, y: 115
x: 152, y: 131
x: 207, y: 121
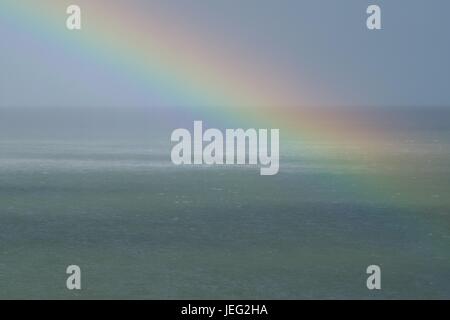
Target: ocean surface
x: 140, y: 227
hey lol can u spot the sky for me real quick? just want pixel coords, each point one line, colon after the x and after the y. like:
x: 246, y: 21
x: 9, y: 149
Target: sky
x: 317, y: 52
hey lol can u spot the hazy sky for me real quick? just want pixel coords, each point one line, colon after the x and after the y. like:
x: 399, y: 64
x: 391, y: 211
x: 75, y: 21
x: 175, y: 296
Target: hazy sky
x: 322, y: 44
x: 322, y: 47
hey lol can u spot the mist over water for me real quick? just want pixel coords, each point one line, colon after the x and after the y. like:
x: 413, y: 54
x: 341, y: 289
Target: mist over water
x: 144, y: 228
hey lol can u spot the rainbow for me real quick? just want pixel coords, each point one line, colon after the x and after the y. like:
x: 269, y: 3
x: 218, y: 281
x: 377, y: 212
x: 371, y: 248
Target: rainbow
x: 176, y: 61
x: 184, y: 69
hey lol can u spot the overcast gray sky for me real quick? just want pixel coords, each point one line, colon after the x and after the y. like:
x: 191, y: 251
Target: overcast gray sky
x: 321, y: 45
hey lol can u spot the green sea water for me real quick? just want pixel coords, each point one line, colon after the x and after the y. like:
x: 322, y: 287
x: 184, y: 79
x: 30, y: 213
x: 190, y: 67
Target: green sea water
x: 141, y: 228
